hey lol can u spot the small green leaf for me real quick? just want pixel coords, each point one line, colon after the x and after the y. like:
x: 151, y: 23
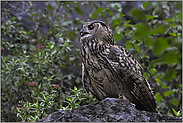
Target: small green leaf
x: 66, y: 23
x: 174, y: 34
x: 180, y: 16
x: 146, y: 76
x: 78, y: 10
x: 94, y: 15
x: 170, y: 74
x: 168, y: 93
x: 159, y: 30
x: 119, y: 36
x: 164, y: 86
x: 179, y: 5
x: 175, y: 112
x: 170, y: 57
x: 158, y: 97
x: 180, y: 85
x: 68, y: 99
x: 49, y: 45
x: 158, y: 80
x: 153, y: 71
x: 75, y: 88
x: 160, y: 46
x: 141, y: 32
x: 128, y: 45
x: 145, y: 4
x: 116, y: 22
x: 118, y: 29
x: 109, y: 11
x: 175, y: 102
x: 99, y: 10
x: 138, y: 14
x: 136, y: 47
x: 179, y: 114
x: 170, y: 20
x: 149, y: 42
x: 148, y: 17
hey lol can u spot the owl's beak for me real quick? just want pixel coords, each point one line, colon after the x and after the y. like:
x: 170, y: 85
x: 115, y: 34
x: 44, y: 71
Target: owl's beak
x: 83, y: 32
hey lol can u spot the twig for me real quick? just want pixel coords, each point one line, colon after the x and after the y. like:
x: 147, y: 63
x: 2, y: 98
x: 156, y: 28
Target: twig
x: 35, y: 22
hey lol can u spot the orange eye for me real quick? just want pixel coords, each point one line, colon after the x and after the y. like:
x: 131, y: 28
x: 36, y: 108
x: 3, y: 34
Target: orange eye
x: 90, y: 27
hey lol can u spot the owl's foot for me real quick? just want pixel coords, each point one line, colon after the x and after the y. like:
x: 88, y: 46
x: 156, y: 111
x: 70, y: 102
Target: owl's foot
x: 122, y: 97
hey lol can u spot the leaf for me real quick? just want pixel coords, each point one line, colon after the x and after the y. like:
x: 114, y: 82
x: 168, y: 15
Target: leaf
x: 109, y: 11
x: 136, y: 47
x: 164, y: 86
x: 175, y: 102
x: 75, y: 88
x: 65, y: 23
x: 145, y: 4
x: 158, y: 80
x: 119, y: 36
x: 179, y: 114
x: 78, y: 10
x: 171, y: 57
x: 158, y: 97
x: 179, y: 5
x: 116, y: 22
x: 170, y: 74
x: 168, y: 93
x: 175, y: 112
x: 141, y: 32
x: 146, y: 76
x: 68, y: 99
x: 128, y: 45
x: 174, y: 34
x: 138, y: 14
x: 116, y: 5
x: 49, y: 45
x: 99, y: 10
x: 170, y: 20
x: 153, y: 71
x: 148, y: 17
x: 159, y: 30
x: 118, y: 29
x: 180, y: 16
x: 160, y: 45
x: 149, y: 42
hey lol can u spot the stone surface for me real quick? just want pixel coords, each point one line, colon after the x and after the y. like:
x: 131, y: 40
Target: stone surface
x: 108, y: 110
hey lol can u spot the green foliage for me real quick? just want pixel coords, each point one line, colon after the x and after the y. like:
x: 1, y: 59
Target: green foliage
x: 36, y: 77
x: 145, y: 4
x: 138, y: 14
x: 178, y: 114
x: 40, y: 59
x: 32, y: 112
x: 79, y: 97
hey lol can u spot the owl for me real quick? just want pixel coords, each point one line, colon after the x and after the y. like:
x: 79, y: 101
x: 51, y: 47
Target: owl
x: 109, y: 70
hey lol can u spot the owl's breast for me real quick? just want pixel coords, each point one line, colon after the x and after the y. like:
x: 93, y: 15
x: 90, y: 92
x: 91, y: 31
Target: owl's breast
x: 92, y: 63
x: 100, y: 72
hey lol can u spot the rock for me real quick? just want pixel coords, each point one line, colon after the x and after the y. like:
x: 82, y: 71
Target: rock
x: 108, y: 110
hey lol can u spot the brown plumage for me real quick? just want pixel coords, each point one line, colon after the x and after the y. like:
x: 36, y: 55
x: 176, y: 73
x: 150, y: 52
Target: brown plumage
x: 109, y: 70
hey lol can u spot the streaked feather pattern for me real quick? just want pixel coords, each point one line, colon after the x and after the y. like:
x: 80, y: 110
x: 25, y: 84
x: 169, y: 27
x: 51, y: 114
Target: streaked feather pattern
x: 109, y: 70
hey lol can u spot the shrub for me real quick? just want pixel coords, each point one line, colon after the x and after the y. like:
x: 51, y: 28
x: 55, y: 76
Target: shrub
x: 39, y: 66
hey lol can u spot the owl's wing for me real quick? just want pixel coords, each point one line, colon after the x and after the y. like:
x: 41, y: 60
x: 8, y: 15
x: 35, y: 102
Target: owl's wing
x: 130, y: 73
x: 92, y: 85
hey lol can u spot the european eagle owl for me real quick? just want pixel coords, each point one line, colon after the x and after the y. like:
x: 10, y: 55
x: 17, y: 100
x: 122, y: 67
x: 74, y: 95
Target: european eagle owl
x: 109, y: 70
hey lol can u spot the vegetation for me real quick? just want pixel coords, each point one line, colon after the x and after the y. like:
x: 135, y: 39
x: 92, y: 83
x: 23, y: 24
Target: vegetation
x: 41, y: 65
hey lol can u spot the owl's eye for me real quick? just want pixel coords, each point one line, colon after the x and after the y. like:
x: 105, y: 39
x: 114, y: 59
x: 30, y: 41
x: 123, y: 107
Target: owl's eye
x: 90, y: 27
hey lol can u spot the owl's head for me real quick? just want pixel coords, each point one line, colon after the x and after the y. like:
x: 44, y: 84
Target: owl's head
x: 96, y: 30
